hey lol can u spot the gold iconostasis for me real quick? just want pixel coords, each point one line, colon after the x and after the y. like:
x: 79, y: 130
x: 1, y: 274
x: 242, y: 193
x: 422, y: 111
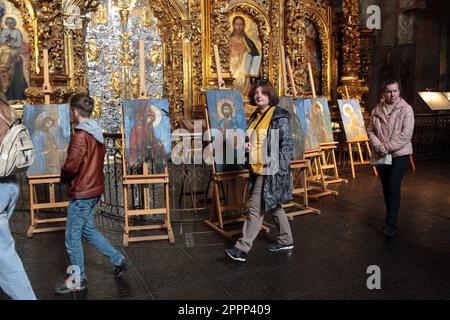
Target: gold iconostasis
x: 94, y: 45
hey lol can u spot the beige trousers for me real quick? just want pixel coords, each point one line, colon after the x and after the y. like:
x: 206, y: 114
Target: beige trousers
x: 252, y: 226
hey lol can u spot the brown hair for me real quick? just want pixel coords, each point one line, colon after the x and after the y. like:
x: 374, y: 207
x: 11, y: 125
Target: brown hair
x: 388, y: 82
x: 267, y: 89
x: 83, y: 103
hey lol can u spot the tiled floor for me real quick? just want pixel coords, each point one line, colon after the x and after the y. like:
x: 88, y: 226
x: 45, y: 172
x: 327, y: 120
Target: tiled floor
x: 330, y: 259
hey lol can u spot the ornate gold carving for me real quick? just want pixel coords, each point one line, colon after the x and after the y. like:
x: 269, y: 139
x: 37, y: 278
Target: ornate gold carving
x: 97, y: 112
x: 51, y: 33
x: 146, y: 20
x: 58, y: 95
x: 101, y: 17
x: 93, y: 51
x: 351, y: 46
x: 276, y: 42
x: 296, y: 15
x: 155, y: 55
x: 116, y: 83
x: 351, y: 42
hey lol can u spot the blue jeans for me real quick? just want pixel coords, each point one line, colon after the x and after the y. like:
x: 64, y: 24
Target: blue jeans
x: 81, y: 224
x: 13, y: 278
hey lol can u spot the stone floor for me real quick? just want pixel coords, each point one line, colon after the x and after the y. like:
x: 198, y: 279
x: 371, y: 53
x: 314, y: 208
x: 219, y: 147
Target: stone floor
x: 330, y: 259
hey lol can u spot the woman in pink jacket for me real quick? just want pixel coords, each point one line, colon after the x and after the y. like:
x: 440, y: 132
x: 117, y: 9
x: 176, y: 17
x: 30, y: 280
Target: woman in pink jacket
x: 390, y: 131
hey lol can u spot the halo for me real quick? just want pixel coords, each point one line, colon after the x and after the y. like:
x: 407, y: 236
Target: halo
x: 346, y: 111
x: 221, y: 103
x: 315, y: 103
x: 38, y: 122
x: 10, y: 15
x: 158, y: 115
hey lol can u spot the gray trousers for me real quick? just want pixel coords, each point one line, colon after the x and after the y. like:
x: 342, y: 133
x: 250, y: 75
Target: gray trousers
x: 252, y: 226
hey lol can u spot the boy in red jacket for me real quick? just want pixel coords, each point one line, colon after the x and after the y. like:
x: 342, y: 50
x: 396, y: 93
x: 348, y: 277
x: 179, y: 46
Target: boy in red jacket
x: 83, y: 171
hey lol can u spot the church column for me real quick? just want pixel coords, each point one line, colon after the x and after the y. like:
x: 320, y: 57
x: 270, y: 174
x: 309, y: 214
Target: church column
x: 351, y: 46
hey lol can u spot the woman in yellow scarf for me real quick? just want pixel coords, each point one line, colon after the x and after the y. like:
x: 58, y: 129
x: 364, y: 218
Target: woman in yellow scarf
x: 270, y: 153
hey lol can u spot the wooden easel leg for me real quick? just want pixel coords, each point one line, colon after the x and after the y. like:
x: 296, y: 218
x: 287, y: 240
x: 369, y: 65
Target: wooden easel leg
x: 168, y: 221
x: 30, y: 231
x: 126, y: 224
x: 411, y: 161
x: 218, y: 207
x: 352, y: 165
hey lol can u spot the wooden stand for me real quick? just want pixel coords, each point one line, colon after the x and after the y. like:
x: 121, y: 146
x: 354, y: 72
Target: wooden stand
x: 144, y: 181
x: 320, y: 161
x: 316, y: 176
x: 48, y: 181
x: 299, y: 170
x: 35, y: 206
x: 328, y: 159
x: 233, y: 202
x: 362, y: 146
x: 359, y: 145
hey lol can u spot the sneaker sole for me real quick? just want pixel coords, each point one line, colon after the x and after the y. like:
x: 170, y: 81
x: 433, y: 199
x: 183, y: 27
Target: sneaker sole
x: 234, y: 258
x: 281, y: 249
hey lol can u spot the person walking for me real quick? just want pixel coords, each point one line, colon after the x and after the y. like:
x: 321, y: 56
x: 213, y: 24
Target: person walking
x: 83, y: 171
x: 390, y: 132
x: 271, y: 183
x: 13, y: 278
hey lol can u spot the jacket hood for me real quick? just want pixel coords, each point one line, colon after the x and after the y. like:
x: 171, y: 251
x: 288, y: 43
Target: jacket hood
x: 93, y: 128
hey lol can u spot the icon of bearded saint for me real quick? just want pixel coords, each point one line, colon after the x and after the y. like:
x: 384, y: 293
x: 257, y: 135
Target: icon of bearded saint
x: 144, y: 145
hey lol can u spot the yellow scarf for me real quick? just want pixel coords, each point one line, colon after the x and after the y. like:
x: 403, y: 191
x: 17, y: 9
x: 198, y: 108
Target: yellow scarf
x: 261, y: 125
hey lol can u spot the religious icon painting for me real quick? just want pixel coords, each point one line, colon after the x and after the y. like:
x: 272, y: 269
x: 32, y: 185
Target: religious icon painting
x: 297, y: 132
x: 353, y: 121
x: 147, y: 135
x: 321, y: 120
x: 226, y: 115
x: 49, y: 127
x: 15, y: 52
x: 245, y: 51
x: 311, y: 140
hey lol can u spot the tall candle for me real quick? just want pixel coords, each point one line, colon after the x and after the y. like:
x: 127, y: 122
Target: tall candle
x: 142, y: 68
x: 46, y: 75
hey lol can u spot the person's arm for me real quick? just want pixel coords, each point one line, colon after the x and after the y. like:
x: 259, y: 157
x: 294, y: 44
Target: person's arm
x: 75, y: 157
x: 404, y: 137
x: 374, y: 141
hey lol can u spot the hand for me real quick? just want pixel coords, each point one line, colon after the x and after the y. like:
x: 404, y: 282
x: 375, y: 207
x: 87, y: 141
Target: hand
x: 382, y: 150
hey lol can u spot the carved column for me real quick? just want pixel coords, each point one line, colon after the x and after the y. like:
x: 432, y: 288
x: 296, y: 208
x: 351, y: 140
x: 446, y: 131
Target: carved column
x: 351, y: 46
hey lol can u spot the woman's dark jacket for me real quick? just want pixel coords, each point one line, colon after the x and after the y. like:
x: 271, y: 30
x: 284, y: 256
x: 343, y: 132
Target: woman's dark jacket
x: 277, y: 188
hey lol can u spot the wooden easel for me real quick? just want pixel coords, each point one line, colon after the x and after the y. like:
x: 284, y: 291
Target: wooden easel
x: 49, y: 180
x: 362, y: 146
x: 220, y: 178
x: 328, y: 156
x: 299, y: 168
x: 145, y: 181
x: 318, y: 163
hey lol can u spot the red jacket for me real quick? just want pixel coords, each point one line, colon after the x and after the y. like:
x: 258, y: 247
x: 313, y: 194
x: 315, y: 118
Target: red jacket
x: 83, y: 168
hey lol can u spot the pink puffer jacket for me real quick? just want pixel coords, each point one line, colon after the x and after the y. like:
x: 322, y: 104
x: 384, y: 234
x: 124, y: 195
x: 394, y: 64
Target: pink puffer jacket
x: 392, y: 134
